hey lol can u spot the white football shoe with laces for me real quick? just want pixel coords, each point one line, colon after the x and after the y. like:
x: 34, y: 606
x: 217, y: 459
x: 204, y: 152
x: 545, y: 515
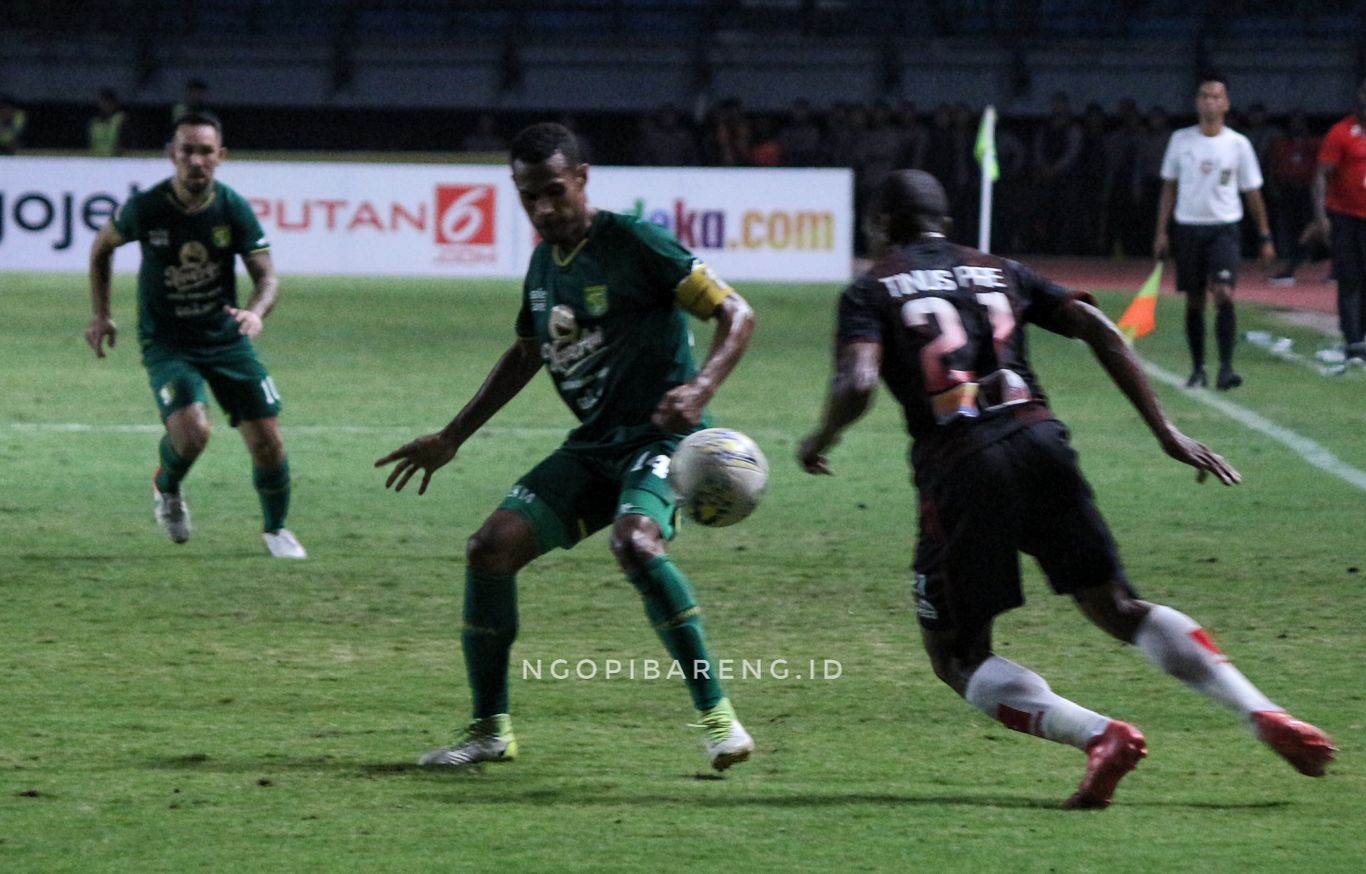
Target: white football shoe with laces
x: 489, y: 739
x: 172, y: 514
x: 725, y: 738
x: 283, y: 544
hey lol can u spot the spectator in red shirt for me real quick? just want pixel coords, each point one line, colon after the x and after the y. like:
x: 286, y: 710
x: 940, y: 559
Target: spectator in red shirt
x: 1340, y: 214
x: 1290, y: 167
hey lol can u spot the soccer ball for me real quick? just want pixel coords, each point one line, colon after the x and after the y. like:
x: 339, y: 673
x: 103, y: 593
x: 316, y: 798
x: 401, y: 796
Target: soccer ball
x: 719, y: 476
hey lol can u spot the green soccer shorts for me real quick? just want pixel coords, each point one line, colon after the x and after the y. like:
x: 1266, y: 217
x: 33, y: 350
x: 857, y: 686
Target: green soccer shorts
x: 574, y: 492
x: 238, y: 379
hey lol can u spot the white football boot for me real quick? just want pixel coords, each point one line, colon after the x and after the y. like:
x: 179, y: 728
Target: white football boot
x: 485, y: 740
x: 283, y: 544
x: 725, y: 738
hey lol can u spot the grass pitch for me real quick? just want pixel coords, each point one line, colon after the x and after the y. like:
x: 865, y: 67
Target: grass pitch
x: 201, y: 707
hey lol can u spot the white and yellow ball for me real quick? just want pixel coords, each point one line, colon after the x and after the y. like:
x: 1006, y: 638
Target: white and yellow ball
x: 719, y: 475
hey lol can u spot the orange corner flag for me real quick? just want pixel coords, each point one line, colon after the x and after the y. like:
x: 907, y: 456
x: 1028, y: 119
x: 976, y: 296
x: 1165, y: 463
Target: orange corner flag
x: 1141, y: 316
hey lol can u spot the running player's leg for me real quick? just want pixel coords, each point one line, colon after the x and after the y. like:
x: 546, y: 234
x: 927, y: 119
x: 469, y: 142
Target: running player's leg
x: 1078, y: 553
x: 503, y: 545
x: 1180, y: 647
x: 179, y: 391
x: 644, y: 523
x: 178, y: 387
x: 270, y: 476
x: 541, y: 512
x: 974, y: 520
x: 248, y: 395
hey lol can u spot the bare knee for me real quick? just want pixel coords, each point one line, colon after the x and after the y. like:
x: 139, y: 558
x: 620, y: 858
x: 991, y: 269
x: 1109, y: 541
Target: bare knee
x: 502, y: 546
x: 636, y: 540
x: 1113, y: 609
x: 955, y: 658
x: 189, y: 432
x: 1223, y: 295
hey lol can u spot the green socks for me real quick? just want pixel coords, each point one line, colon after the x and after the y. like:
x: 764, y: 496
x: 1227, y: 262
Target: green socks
x: 674, y: 613
x: 490, y: 628
x: 272, y: 487
x: 172, y: 469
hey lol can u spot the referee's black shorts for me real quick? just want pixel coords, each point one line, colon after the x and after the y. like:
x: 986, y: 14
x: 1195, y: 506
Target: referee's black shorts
x: 1205, y: 255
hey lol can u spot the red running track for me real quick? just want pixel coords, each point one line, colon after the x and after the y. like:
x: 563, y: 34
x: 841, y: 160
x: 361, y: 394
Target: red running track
x: 1310, y: 292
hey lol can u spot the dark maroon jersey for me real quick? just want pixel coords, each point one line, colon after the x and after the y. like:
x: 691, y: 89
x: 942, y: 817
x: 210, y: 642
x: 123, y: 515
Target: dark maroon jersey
x: 951, y: 323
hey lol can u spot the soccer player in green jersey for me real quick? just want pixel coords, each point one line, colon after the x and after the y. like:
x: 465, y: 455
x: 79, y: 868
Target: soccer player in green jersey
x: 603, y: 309
x: 191, y: 228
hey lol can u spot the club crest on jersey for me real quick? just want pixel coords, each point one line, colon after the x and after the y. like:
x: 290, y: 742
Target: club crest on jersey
x: 562, y: 326
x: 222, y: 236
x: 595, y: 300
x: 1206, y: 167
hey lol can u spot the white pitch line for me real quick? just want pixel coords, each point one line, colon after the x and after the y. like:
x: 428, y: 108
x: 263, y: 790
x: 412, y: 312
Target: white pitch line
x: 1312, y: 452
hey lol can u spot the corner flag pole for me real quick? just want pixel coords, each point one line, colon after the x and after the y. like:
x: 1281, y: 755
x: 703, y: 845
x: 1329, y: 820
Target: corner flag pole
x: 985, y: 152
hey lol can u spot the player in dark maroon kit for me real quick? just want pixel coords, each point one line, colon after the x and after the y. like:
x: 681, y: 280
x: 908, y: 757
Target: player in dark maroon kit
x: 942, y: 325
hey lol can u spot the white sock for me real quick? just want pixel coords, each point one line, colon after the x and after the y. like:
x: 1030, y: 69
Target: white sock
x: 1020, y: 699
x: 1179, y: 646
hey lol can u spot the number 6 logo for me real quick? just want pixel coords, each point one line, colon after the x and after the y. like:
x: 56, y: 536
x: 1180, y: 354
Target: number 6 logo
x: 465, y: 214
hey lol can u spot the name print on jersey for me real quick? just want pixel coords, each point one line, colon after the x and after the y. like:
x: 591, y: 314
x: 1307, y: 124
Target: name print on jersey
x: 963, y: 276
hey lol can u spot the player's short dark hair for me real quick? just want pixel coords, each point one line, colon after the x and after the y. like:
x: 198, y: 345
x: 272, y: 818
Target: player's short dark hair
x: 913, y: 201
x: 535, y: 144
x: 1212, y: 76
x: 197, y: 118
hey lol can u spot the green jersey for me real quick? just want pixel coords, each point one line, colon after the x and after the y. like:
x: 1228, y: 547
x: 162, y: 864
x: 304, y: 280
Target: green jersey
x: 188, y: 258
x: 608, y: 320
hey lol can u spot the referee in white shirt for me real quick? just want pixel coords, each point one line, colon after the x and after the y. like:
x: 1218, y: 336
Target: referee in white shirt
x: 1204, y: 171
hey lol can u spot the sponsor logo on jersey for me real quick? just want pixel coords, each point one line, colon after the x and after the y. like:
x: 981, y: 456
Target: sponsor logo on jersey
x: 1225, y: 175
x: 536, y: 297
x: 595, y: 300
x: 159, y: 237
x: 562, y: 326
x: 222, y: 236
x: 195, y: 270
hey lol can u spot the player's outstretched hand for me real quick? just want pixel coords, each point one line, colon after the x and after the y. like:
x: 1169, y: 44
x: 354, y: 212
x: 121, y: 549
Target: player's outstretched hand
x: 248, y: 322
x: 680, y: 410
x: 811, y: 455
x: 1202, y: 458
x: 99, y: 330
x: 427, y: 453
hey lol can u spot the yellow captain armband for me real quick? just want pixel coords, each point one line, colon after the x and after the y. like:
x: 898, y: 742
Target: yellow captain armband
x: 701, y: 291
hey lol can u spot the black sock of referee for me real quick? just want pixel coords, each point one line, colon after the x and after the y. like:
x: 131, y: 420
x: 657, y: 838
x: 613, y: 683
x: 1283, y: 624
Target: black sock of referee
x: 1225, y: 332
x: 1195, y: 336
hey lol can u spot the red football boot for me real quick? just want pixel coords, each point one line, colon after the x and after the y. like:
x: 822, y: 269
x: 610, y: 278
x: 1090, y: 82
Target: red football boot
x: 1109, y: 756
x: 1306, y: 748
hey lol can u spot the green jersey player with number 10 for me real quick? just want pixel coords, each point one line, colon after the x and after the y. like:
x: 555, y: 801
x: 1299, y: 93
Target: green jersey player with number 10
x: 191, y: 229
x: 603, y: 309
